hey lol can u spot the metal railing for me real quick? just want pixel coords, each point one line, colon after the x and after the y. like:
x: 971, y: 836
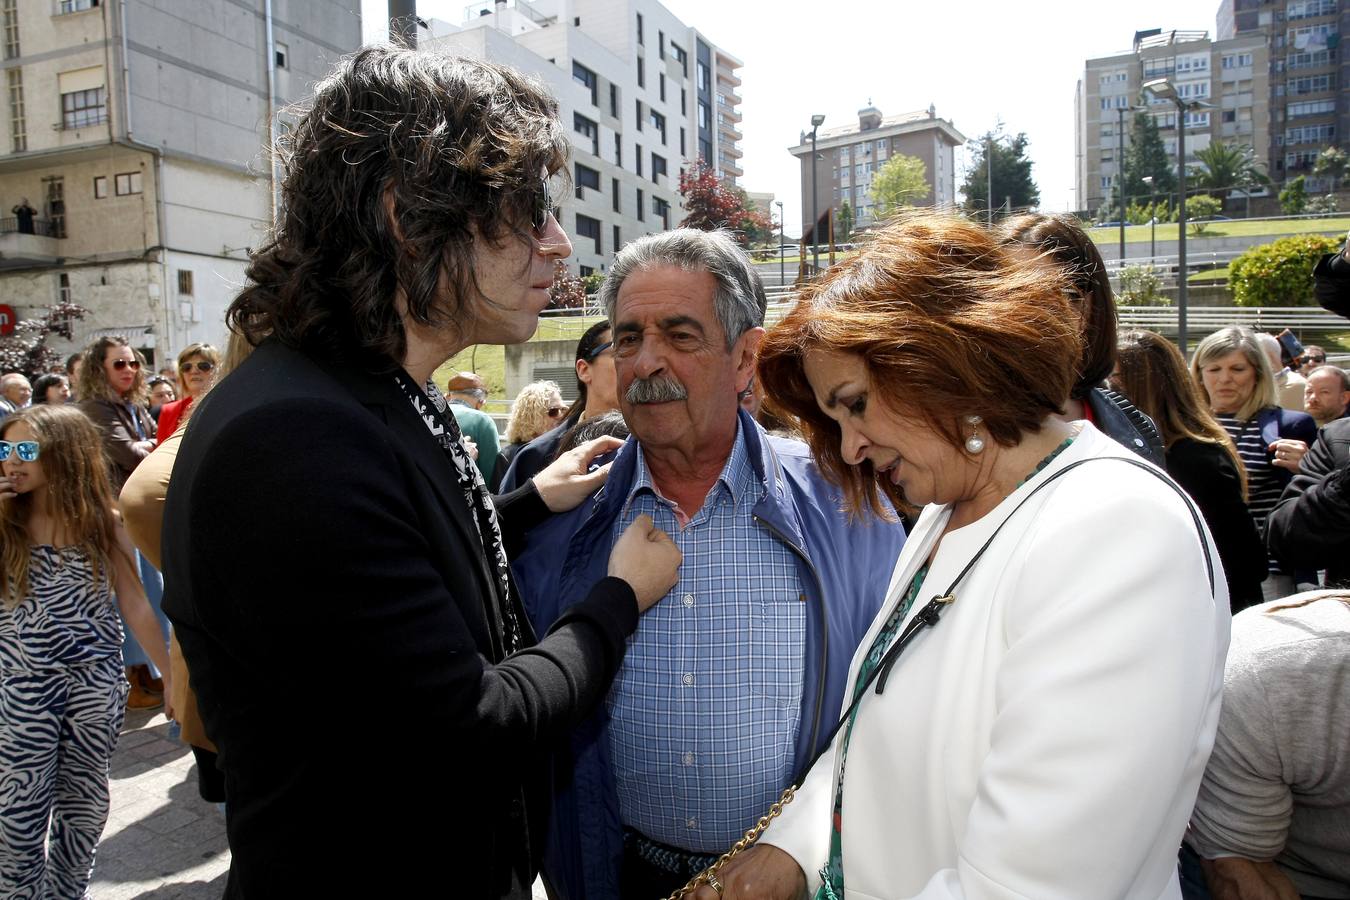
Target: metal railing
x: 41, y: 228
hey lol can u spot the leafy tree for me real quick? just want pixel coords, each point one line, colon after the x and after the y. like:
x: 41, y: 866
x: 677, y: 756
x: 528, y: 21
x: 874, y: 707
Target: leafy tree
x: 1141, y: 286
x: 1199, y: 208
x: 567, y: 291
x: 591, y: 283
x: 1294, y: 196
x: 1279, y: 273
x: 902, y: 181
x: 1225, y: 167
x: 1333, y: 163
x: 26, y: 350
x: 1148, y: 156
x: 1012, y: 173
x: 711, y: 204
x: 845, y: 220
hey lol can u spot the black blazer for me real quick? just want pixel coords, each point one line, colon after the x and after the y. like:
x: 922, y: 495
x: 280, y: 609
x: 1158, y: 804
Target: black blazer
x: 1211, y: 477
x: 328, y: 588
x: 1310, y: 527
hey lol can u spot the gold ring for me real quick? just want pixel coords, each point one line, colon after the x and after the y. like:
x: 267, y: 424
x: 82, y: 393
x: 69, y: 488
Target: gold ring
x: 715, y: 884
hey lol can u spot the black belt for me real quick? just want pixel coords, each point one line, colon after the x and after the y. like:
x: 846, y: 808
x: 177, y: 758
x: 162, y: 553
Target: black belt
x: 665, y: 857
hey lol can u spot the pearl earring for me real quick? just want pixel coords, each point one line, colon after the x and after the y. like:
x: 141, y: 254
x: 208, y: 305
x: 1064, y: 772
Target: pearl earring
x: 974, y: 443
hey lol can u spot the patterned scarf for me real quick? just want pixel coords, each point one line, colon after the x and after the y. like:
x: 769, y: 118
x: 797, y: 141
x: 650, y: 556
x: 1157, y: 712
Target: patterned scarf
x: 433, y: 410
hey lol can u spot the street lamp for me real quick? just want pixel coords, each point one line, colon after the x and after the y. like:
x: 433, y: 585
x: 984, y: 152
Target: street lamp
x: 816, y: 122
x: 782, y: 263
x: 1152, y: 222
x: 1165, y: 90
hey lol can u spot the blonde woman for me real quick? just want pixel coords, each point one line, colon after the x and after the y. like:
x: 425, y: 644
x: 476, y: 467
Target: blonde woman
x: 197, y: 365
x: 1235, y: 377
x: 538, y: 407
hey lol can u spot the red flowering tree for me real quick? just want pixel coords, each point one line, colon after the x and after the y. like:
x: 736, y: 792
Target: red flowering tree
x: 26, y: 349
x: 568, y: 291
x: 711, y: 204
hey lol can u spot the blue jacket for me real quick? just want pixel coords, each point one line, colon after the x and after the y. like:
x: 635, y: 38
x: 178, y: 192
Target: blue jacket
x: 845, y: 565
x: 1279, y: 423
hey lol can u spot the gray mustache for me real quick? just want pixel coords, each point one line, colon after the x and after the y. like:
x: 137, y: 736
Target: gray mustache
x: 659, y: 389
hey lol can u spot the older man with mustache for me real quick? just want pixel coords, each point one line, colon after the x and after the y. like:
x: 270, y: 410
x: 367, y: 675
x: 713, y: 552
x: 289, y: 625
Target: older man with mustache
x: 729, y: 686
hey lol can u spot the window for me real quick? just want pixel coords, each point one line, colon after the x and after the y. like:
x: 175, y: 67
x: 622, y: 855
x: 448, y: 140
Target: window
x: 63, y: 293
x: 100, y: 187
x: 637, y: 148
x: 585, y: 127
x: 1312, y: 84
x: 1311, y: 60
x: 588, y: 227
x: 614, y: 193
x: 614, y: 100
x: 1311, y: 108
x: 639, y: 27
x: 637, y: 104
x: 1230, y: 115
x: 641, y: 212
x: 618, y: 149
x: 9, y: 21
x: 661, y: 209
x: 17, y: 128
x: 682, y: 151
x: 616, y: 240
x: 586, y: 78
x: 661, y: 44
x: 704, y: 115
x: 684, y: 102
x: 80, y: 109
x: 185, y: 282
x: 659, y: 123
x: 1310, y: 134
x: 680, y: 57
x: 1306, y: 9
x: 642, y: 73
x: 703, y: 79
x: 56, y: 204
x: 586, y: 177
x: 658, y: 168
x: 127, y: 183
x: 282, y: 52
x: 1197, y: 120
x: 70, y: 6
x: 661, y: 82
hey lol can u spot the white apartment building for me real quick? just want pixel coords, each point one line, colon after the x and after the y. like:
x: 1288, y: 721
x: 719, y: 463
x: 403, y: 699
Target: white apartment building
x: 638, y: 90
x: 848, y: 156
x: 137, y: 130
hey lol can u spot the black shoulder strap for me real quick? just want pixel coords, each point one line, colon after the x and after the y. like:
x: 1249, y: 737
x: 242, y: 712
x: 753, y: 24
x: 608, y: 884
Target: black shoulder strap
x: 931, y: 613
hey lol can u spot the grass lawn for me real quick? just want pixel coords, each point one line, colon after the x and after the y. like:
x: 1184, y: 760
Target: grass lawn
x: 1139, y: 234
x: 1209, y: 276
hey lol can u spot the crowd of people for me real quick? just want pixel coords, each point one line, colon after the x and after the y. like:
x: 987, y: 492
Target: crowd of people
x: 931, y: 585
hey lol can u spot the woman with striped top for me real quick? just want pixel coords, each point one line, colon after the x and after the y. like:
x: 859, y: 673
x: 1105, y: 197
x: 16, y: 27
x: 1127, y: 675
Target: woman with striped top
x: 1236, y: 380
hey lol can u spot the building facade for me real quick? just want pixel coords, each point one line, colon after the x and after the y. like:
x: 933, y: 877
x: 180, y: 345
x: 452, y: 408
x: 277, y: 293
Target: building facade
x: 137, y: 131
x: 848, y: 157
x: 642, y: 94
x: 1309, y: 106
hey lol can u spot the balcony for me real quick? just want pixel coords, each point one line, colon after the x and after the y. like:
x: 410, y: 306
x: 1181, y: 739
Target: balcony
x: 21, y: 250
x: 726, y: 76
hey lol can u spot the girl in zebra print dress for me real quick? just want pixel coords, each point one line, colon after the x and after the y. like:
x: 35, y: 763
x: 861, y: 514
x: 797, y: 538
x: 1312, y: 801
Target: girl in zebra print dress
x: 66, y: 566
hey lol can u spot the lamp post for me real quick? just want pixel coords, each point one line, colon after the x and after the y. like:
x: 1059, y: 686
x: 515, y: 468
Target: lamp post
x: 1152, y: 222
x: 782, y: 263
x: 1165, y: 90
x: 1120, y: 177
x: 816, y: 122
x: 989, y: 179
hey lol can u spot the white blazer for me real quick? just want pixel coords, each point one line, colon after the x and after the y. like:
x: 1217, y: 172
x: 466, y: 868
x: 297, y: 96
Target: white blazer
x: 1046, y: 740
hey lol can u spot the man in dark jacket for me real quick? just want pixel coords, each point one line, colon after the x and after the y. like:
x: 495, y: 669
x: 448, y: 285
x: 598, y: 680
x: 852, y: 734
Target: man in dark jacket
x: 326, y: 532
x: 1310, y: 527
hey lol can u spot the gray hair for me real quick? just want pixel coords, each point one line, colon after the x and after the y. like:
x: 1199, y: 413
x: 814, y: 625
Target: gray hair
x: 1237, y: 339
x: 739, y: 300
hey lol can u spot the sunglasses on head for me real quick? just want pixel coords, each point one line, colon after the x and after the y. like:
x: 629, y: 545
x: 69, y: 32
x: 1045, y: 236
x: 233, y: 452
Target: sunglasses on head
x: 120, y: 364
x: 543, y: 207
x: 26, y: 450
x: 202, y: 366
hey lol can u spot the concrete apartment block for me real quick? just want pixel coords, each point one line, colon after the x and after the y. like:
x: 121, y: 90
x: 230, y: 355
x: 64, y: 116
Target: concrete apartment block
x: 138, y: 130
x: 848, y: 156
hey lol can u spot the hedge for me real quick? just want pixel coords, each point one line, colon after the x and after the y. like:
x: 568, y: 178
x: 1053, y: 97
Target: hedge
x: 1279, y: 273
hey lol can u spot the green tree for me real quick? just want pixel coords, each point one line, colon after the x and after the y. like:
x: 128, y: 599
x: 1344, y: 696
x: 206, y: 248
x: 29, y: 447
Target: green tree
x: 845, y: 220
x: 902, y: 181
x: 1200, y: 208
x: 1294, y: 196
x: 1141, y: 286
x: 1012, y: 173
x: 1148, y: 156
x: 1225, y: 167
x: 1279, y: 273
x: 1333, y: 163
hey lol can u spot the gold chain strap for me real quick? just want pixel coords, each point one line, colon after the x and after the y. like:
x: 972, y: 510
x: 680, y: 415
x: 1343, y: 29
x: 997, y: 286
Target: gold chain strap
x: 708, y: 874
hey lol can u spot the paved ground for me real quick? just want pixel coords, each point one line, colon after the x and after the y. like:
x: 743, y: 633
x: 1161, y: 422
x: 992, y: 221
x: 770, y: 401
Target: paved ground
x: 162, y: 840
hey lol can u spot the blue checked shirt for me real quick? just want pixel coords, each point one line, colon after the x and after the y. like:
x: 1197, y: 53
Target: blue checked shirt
x: 705, y: 709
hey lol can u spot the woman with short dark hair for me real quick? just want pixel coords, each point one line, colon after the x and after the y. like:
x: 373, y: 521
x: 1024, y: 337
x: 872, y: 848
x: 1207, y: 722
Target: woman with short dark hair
x: 53, y: 388
x: 1047, y: 738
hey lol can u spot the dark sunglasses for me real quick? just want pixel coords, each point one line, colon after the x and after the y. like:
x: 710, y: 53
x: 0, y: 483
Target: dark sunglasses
x: 543, y: 207
x: 27, y: 450
x: 120, y: 364
x: 1316, y: 359
x: 555, y: 411
x: 202, y: 366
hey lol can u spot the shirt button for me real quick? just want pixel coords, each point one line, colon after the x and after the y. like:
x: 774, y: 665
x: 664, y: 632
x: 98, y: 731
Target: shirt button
x: 688, y: 758
x: 688, y: 599
x: 690, y: 823
x: 688, y: 678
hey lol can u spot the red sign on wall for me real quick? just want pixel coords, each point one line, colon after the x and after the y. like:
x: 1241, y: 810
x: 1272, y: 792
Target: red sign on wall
x: 8, y: 319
